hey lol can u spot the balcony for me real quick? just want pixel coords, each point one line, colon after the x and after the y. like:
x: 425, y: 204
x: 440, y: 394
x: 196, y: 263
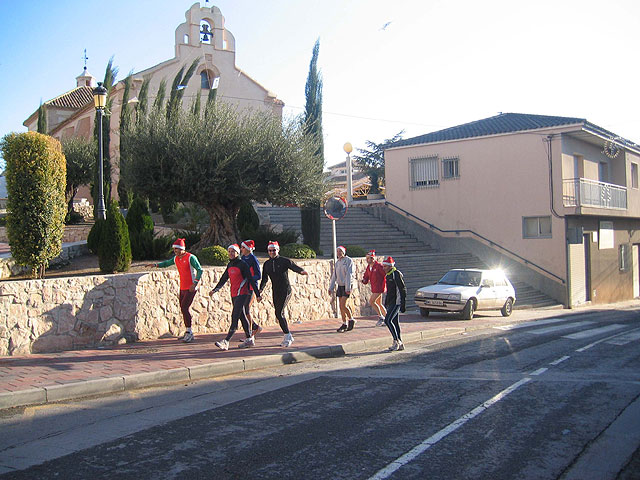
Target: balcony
x: 581, y: 192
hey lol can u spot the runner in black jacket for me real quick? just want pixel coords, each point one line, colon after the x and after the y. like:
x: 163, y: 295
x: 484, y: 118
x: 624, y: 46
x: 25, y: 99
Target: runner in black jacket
x: 395, y: 302
x: 276, y: 269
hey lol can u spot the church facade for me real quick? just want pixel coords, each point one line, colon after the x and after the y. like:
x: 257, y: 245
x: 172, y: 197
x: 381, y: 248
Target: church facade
x: 202, y: 36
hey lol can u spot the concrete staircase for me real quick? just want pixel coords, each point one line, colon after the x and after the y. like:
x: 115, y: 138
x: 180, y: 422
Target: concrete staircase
x: 418, y: 261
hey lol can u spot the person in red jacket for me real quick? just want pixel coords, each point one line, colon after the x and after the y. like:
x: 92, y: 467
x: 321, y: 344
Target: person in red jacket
x: 239, y: 275
x: 375, y: 275
x: 190, y: 272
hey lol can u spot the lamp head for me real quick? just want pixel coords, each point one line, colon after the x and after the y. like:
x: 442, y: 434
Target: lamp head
x: 100, y: 96
x: 348, y: 148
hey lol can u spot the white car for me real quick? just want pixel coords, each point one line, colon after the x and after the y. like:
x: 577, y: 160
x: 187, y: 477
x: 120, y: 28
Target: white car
x: 466, y: 291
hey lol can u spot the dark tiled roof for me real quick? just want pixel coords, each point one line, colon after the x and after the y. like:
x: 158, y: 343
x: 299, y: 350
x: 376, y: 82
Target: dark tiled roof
x: 503, y: 123
x: 76, y: 98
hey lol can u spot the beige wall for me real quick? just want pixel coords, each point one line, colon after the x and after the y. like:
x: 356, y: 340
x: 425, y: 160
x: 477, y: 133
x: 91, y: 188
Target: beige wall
x: 502, y: 179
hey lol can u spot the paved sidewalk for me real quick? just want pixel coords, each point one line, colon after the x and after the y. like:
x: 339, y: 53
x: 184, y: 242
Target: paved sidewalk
x: 43, y: 378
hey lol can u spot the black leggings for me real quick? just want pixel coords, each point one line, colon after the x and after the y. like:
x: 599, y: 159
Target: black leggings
x: 280, y: 301
x: 392, y: 321
x: 247, y: 305
x: 238, y: 314
x: 186, y: 299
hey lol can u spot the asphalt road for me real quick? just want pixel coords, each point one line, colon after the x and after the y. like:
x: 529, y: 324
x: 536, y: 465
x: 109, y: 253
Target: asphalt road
x: 552, y: 399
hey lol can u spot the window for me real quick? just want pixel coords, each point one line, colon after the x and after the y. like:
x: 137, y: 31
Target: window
x: 450, y: 168
x: 623, y: 250
x: 205, y: 84
x: 424, y: 172
x: 634, y: 175
x: 536, y: 227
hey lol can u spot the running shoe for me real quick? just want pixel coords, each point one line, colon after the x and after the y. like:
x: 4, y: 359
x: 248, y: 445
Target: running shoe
x: 223, y: 344
x: 352, y: 323
x: 188, y: 337
x: 342, y: 329
x: 393, y: 347
x: 400, y: 345
x: 248, y: 342
x: 288, y: 340
x: 380, y: 322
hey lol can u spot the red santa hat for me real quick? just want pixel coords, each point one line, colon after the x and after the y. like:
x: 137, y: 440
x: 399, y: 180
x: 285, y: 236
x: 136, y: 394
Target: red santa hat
x: 344, y: 250
x: 234, y: 247
x: 371, y: 253
x: 179, y: 243
x: 389, y: 261
x: 273, y: 244
x: 249, y: 245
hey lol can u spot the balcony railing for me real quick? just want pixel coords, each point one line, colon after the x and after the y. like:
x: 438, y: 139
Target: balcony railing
x: 581, y: 192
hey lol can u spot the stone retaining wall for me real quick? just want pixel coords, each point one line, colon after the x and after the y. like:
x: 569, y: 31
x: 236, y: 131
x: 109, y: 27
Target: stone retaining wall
x: 72, y: 233
x: 38, y: 316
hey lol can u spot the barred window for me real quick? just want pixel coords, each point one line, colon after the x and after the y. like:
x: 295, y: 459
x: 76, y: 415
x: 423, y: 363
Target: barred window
x: 450, y: 168
x: 536, y: 227
x: 424, y: 172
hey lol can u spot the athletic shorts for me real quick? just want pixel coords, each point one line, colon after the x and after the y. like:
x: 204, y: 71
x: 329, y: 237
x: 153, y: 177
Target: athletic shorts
x: 341, y: 293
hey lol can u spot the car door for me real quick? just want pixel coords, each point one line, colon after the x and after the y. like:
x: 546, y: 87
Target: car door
x: 487, y: 294
x: 502, y: 291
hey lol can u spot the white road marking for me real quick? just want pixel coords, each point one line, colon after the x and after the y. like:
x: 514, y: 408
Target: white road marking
x: 530, y: 324
x: 587, y: 347
x: 559, y: 360
x: 625, y: 338
x: 539, y: 371
x: 557, y: 328
x: 387, y: 471
x: 594, y: 331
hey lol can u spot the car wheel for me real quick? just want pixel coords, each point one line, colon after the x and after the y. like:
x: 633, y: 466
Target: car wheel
x: 469, y: 308
x: 425, y: 312
x: 507, y: 309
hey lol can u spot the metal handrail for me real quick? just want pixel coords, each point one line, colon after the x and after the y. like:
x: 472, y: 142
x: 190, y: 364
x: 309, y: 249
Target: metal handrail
x: 490, y: 242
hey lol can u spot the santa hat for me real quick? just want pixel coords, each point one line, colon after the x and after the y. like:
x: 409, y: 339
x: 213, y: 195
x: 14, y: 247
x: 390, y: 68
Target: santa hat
x: 234, y: 247
x: 273, y: 244
x: 179, y: 243
x: 371, y: 253
x: 344, y: 250
x: 249, y: 245
x: 389, y: 261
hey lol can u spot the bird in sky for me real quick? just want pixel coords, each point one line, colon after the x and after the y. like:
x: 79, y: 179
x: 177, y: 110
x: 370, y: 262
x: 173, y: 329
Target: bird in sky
x: 384, y: 27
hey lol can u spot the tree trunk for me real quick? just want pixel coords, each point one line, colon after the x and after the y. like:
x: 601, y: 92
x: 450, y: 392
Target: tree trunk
x: 222, y: 227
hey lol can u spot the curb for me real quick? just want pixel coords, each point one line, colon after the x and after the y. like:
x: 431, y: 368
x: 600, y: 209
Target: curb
x: 86, y: 388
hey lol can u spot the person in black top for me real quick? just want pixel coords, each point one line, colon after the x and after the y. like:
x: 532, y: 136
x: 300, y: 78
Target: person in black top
x: 276, y: 269
x: 395, y: 302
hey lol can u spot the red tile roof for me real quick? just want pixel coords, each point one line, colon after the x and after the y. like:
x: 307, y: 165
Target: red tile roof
x: 76, y: 98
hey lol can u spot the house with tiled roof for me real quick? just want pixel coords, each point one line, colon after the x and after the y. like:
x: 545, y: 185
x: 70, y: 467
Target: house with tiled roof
x: 201, y: 36
x: 555, y: 198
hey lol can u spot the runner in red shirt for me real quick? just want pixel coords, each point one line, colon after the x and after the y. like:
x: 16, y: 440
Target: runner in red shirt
x: 375, y: 275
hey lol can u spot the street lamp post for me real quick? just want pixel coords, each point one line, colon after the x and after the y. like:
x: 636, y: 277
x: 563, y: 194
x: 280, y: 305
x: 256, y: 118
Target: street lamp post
x: 348, y: 148
x: 100, y: 100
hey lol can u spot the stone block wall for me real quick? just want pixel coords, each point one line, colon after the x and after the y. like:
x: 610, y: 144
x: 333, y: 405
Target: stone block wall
x: 38, y: 316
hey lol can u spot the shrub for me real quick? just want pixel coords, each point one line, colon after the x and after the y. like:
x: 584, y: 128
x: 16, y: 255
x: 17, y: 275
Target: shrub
x: 114, y: 252
x: 355, y: 251
x: 297, y: 250
x: 73, y: 218
x: 191, y: 237
x: 36, y: 179
x: 264, y: 234
x: 95, y: 234
x: 162, y: 246
x: 140, y: 225
x: 215, y: 255
x: 247, y: 220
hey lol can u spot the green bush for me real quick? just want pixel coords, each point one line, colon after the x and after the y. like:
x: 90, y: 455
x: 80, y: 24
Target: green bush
x: 297, y: 250
x: 191, y: 237
x: 114, y: 252
x: 95, y: 234
x: 247, y: 220
x: 355, y: 251
x: 36, y: 178
x: 215, y: 255
x: 3, y: 221
x: 264, y: 234
x: 73, y: 218
x: 162, y: 246
x: 140, y: 225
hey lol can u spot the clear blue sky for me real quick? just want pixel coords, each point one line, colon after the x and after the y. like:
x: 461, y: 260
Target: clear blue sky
x: 438, y: 63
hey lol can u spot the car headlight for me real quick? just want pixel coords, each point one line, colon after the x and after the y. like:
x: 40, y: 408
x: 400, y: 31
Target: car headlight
x: 454, y: 296
x: 419, y: 294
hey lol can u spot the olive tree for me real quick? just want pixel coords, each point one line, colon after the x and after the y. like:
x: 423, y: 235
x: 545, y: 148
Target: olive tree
x: 221, y: 160
x: 80, y: 157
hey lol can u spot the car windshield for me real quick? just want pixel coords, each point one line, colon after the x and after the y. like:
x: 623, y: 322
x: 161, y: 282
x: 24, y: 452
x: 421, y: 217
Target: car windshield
x: 458, y: 277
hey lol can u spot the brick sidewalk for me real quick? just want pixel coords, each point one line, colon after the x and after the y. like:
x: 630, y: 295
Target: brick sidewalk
x: 41, y: 378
